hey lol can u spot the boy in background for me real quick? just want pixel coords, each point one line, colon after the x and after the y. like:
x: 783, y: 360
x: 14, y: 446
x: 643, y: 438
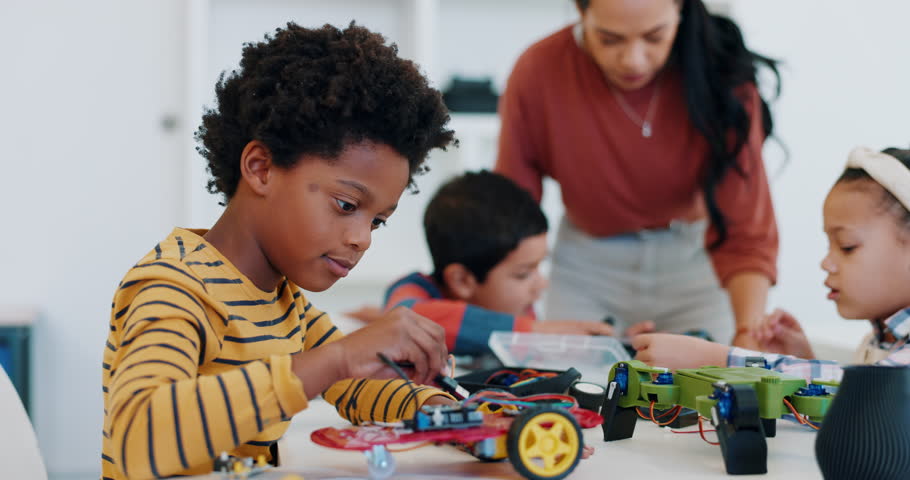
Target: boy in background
x: 487, y: 237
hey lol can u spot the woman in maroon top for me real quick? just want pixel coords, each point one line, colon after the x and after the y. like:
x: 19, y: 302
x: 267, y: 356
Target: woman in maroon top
x: 647, y: 115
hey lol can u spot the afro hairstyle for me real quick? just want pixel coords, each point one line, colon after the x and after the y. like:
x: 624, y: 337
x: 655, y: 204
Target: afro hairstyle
x: 315, y: 92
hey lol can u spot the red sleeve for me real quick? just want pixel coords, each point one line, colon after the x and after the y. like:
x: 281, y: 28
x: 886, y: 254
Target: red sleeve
x: 518, y: 157
x: 524, y: 323
x: 467, y: 327
x: 745, y: 200
x: 448, y: 313
x: 404, y: 292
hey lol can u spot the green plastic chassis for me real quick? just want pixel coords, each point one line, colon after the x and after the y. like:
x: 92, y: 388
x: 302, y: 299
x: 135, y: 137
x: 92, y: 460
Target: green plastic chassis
x: 743, y: 404
x: 693, y: 388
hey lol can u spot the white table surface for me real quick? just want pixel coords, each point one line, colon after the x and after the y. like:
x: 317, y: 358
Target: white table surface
x: 653, y: 452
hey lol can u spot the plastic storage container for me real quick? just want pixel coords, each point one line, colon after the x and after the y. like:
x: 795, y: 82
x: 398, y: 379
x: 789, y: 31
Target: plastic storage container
x: 591, y: 355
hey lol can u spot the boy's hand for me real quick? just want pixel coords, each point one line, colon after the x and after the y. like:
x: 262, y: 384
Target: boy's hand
x: 402, y: 336
x: 678, y: 351
x: 781, y: 333
x: 572, y: 327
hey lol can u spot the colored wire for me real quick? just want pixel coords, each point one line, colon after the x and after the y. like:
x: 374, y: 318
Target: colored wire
x: 701, y: 431
x: 799, y: 416
x: 523, y: 375
x: 525, y: 381
x: 691, y: 431
x: 675, y: 411
x: 506, y: 398
x: 498, y: 373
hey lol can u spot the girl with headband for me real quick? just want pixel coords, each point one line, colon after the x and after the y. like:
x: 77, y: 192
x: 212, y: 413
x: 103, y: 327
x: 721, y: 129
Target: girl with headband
x: 867, y: 221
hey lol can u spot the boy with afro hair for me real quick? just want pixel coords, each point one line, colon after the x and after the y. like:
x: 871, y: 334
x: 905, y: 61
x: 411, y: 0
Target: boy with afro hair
x: 212, y: 346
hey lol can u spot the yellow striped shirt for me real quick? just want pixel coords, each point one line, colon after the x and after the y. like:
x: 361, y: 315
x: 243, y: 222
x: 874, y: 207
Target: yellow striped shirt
x: 198, y: 362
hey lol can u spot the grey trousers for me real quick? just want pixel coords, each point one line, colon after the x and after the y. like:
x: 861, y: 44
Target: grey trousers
x: 660, y: 275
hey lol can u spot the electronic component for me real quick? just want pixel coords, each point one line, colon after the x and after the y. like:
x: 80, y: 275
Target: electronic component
x: 439, y: 417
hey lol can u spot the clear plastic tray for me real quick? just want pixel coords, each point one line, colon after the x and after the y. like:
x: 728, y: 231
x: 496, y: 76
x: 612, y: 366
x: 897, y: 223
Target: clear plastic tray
x: 591, y: 355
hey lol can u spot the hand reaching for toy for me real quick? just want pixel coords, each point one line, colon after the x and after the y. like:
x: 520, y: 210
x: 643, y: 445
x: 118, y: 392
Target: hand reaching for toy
x: 678, y: 351
x: 780, y: 332
x: 572, y: 327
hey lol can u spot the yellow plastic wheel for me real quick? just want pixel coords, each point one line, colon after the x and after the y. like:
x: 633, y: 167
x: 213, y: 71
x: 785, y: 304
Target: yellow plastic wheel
x: 545, y: 443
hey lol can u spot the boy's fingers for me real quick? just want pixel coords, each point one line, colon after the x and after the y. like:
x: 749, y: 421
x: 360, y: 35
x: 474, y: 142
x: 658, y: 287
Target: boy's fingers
x: 423, y: 371
x: 433, y: 357
x: 433, y: 329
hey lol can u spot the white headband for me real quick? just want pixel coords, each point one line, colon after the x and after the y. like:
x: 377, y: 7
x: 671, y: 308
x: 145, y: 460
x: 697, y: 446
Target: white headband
x: 888, y: 171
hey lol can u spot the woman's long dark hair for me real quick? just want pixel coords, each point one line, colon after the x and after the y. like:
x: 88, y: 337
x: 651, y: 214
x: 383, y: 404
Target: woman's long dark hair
x: 712, y: 57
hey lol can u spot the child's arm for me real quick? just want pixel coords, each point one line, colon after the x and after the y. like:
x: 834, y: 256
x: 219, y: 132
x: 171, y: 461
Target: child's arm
x: 163, y: 417
x: 808, y: 369
x: 358, y: 399
x: 682, y: 351
x: 467, y: 328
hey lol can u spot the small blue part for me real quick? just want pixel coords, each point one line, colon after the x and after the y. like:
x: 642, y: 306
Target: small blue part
x: 724, y: 404
x: 621, y: 377
x: 421, y: 421
x: 812, y: 390
x: 508, y: 379
x: 664, y: 379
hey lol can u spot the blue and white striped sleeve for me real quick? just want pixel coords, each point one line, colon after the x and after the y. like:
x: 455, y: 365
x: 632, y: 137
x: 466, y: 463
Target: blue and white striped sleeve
x: 790, y: 365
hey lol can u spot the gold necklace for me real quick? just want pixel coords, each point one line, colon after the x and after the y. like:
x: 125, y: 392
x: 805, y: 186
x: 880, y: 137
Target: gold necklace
x: 644, y: 123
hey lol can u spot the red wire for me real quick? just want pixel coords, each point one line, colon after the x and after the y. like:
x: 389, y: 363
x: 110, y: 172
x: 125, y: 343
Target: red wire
x: 498, y: 373
x: 701, y: 431
x: 799, y: 417
x: 522, y: 375
x: 675, y: 409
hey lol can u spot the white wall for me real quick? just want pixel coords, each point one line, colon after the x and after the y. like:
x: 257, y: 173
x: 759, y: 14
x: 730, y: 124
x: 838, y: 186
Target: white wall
x: 93, y: 179
x: 845, y: 84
